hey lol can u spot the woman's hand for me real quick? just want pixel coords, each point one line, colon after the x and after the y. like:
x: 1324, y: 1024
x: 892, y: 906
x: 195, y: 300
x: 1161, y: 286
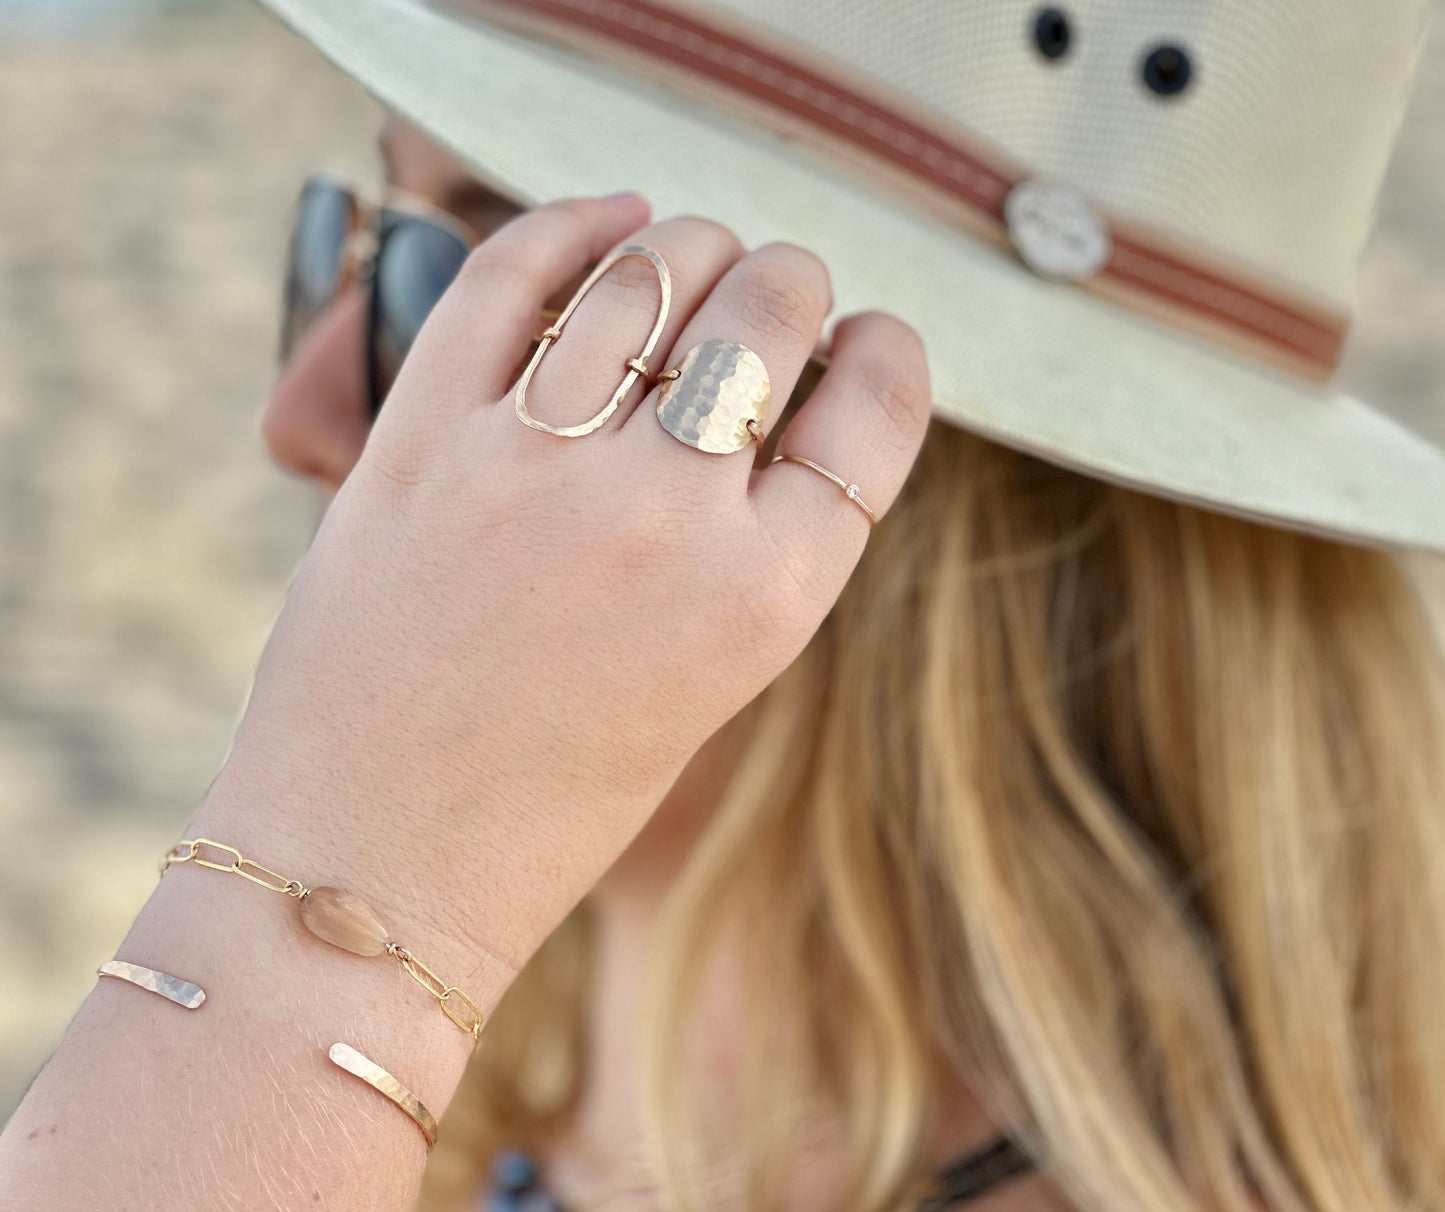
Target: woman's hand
x: 506, y: 644
x: 499, y: 652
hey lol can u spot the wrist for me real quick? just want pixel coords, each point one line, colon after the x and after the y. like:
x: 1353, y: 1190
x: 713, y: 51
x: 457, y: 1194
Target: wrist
x: 476, y: 877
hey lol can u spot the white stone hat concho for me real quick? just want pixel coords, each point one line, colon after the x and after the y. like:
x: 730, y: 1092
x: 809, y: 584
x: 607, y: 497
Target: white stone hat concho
x: 1127, y: 229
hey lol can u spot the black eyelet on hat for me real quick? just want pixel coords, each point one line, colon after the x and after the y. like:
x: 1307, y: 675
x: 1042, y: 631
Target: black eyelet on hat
x: 1052, y: 34
x: 1167, y: 70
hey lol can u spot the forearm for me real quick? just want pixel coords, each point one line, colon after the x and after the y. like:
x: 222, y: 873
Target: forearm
x: 235, y: 1105
x: 470, y: 841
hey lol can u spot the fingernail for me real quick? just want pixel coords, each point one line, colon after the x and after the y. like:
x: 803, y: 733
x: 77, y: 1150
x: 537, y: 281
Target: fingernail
x: 627, y: 196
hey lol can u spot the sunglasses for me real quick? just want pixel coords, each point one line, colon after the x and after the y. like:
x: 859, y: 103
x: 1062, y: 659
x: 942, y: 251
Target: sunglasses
x: 404, y: 252
x: 407, y: 253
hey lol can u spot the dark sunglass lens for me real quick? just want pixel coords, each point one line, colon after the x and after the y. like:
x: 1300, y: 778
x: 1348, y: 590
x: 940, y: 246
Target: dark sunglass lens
x: 418, y: 261
x: 325, y: 216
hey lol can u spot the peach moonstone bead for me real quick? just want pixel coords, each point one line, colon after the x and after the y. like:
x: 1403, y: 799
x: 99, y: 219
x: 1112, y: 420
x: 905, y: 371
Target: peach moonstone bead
x: 344, y: 920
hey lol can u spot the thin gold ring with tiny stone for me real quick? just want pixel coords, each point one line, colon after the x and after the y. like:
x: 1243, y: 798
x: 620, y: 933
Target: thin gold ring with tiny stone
x: 851, y: 491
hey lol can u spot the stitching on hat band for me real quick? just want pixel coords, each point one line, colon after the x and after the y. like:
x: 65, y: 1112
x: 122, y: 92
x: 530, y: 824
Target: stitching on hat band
x: 1141, y: 271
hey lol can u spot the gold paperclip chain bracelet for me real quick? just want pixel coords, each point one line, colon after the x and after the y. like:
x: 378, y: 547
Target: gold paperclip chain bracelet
x: 337, y: 917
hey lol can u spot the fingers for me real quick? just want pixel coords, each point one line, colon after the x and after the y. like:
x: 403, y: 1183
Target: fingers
x: 865, y: 423
x: 585, y: 366
x: 774, y: 301
x: 480, y: 330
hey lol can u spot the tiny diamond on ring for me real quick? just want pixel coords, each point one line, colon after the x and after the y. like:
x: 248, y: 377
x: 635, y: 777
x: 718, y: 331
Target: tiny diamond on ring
x: 851, y: 491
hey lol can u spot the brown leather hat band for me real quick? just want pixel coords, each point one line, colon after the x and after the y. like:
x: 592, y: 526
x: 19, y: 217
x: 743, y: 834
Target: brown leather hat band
x: 773, y: 84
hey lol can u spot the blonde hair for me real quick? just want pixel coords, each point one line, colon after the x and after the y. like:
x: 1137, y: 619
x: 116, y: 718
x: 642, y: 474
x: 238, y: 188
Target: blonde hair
x: 1124, y: 814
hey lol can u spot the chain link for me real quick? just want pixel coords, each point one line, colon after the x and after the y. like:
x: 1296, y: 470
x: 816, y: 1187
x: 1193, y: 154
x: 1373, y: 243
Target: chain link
x: 418, y: 971
x: 181, y: 852
x: 468, y: 1018
x: 189, y: 851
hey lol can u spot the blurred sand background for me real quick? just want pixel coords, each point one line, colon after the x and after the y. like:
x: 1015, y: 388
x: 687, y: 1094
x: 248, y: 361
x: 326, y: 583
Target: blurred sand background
x: 148, y: 162
x: 148, y: 159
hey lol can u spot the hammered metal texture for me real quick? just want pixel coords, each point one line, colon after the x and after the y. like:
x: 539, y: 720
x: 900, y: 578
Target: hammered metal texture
x: 720, y: 387
x: 172, y: 988
x: 346, y: 1057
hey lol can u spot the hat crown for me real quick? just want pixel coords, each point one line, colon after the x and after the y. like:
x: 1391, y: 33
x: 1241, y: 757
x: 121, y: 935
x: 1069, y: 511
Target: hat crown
x: 1271, y: 154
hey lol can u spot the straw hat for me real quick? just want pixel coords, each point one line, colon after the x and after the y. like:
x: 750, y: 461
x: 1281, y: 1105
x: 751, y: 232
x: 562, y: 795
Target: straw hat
x: 1127, y: 229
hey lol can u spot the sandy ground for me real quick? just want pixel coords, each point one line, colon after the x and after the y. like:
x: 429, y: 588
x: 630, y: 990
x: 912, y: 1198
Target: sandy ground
x: 145, y: 177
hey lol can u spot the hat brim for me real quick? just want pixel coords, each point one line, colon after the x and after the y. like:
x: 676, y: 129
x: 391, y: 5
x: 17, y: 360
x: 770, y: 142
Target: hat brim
x: 1041, y: 367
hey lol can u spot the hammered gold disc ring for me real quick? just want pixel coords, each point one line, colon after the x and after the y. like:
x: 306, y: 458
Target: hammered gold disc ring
x: 851, y: 491
x: 716, y: 398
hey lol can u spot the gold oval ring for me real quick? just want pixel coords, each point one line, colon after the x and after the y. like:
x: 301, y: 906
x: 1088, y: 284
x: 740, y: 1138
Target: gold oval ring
x: 636, y: 367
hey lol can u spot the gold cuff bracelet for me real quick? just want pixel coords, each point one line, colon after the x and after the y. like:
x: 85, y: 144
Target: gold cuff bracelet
x: 344, y: 1056
x: 172, y: 988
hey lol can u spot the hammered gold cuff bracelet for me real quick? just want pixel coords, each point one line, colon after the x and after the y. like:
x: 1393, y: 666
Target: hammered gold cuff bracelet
x: 337, y: 917
x: 344, y: 1056
x: 172, y: 988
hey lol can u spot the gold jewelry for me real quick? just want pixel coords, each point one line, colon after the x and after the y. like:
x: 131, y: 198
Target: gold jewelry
x: 716, y: 398
x: 849, y: 490
x: 340, y: 918
x: 636, y: 367
x: 346, y: 1057
x: 172, y: 988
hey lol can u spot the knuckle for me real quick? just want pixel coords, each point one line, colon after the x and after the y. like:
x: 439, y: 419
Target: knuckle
x: 646, y: 536
x: 896, y: 386
x: 774, y: 298
x: 497, y: 269
x: 809, y: 268
x: 403, y: 462
x: 567, y: 214
x: 701, y: 229
x: 887, y: 330
x: 558, y: 223
x: 637, y: 542
x: 631, y: 274
x: 630, y: 285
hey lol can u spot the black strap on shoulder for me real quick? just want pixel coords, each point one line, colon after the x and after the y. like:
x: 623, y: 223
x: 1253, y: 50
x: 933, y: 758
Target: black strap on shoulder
x: 979, y: 1172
